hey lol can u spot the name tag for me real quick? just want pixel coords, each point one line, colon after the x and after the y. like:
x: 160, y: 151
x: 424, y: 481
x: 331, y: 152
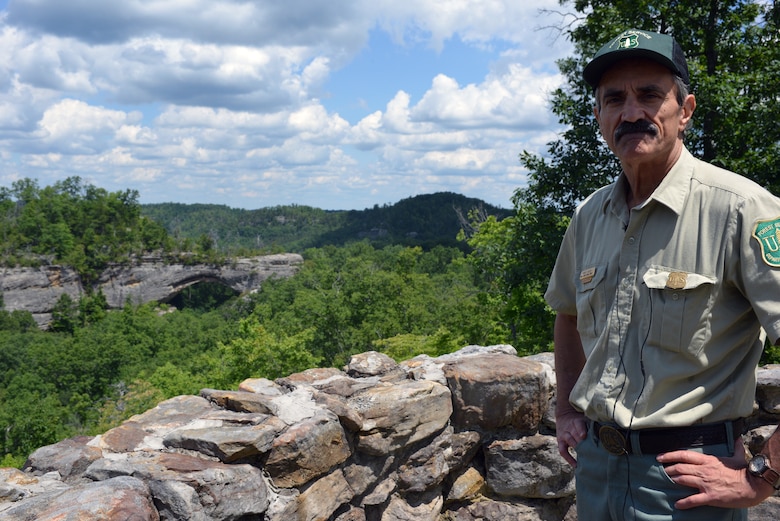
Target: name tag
x: 586, y: 276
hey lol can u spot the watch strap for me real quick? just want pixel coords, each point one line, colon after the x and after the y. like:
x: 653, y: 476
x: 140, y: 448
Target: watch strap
x: 772, y: 477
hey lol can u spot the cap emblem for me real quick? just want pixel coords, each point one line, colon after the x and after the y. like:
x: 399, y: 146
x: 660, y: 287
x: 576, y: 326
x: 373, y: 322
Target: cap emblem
x: 628, y: 41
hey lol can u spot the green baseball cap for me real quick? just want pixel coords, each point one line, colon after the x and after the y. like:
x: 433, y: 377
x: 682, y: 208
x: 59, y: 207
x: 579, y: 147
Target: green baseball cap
x: 635, y: 43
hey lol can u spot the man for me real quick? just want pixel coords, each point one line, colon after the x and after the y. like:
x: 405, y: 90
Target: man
x: 662, y: 286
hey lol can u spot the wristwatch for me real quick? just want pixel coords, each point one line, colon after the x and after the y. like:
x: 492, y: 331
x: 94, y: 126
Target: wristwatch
x: 759, y: 466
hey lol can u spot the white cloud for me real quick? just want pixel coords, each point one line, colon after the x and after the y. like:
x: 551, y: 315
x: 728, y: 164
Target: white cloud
x: 515, y: 98
x: 315, y: 124
x: 477, y: 21
x: 72, y: 126
x: 223, y: 100
x: 468, y: 159
x: 135, y: 135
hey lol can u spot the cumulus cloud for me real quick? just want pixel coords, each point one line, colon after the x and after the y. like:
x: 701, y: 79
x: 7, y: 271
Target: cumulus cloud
x: 226, y: 101
x: 516, y: 98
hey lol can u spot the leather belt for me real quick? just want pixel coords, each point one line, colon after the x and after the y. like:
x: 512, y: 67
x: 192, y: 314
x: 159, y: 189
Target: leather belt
x: 657, y: 441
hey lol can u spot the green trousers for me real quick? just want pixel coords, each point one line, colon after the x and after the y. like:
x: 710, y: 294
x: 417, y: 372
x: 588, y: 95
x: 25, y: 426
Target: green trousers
x: 636, y: 488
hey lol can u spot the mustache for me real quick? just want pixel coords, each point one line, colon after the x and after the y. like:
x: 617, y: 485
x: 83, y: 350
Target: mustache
x: 633, y: 127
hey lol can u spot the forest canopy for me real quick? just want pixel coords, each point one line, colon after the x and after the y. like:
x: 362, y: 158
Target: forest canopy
x: 75, y: 224
x: 95, y: 367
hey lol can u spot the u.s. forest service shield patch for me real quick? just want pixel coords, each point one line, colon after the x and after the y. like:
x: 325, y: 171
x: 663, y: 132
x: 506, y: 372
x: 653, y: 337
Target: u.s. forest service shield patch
x: 767, y: 233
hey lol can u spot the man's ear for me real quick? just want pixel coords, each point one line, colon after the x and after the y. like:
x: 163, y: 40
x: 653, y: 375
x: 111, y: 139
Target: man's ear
x: 688, y: 107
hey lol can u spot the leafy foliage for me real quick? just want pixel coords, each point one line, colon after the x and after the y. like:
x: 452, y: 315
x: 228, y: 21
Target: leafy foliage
x: 256, y: 351
x: 733, y: 50
x: 356, y: 297
x: 97, y: 368
x: 75, y: 224
x: 507, y: 255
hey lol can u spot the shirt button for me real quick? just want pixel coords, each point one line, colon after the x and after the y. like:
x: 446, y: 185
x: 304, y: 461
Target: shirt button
x: 675, y: 296
x: 631, y: 240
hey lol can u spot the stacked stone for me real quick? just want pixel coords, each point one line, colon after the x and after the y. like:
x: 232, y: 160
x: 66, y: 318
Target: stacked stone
x: 465, y: 436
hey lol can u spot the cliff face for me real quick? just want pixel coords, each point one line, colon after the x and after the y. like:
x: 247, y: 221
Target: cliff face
x: 37, y: 290
x: 467, y: 436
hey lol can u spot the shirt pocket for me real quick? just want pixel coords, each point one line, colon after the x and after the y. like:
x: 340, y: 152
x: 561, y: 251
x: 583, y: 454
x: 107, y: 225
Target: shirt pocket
x: 591, y: 301
x: 679, y: 309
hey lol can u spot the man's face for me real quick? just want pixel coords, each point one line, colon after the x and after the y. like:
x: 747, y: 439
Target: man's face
x: 638, y: 111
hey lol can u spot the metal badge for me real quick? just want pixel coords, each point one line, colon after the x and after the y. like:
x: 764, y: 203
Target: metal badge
x: 677, y: 280
x: 612, y: 440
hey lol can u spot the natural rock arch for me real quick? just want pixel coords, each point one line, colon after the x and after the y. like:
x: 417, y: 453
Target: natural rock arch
x: 37, y: 290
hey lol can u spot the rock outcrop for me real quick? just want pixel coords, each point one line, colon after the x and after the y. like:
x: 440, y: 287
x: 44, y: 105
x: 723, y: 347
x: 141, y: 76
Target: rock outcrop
x: 37, y: 290
x: 467, y: 436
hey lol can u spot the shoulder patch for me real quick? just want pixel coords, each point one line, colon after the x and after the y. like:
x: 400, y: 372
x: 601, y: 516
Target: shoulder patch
x: 767, y: 233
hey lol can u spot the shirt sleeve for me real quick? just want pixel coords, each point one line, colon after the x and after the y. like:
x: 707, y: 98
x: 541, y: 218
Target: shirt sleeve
x: 561, y: 290
x: 760, y: 259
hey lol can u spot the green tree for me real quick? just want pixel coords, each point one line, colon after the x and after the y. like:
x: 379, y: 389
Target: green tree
x: 153, y: 236
x: 507, y: 254
x: 65, y: 315
x: 17, y: 321
x: 31, y: 415
x: 733, y: 57
x: 356, y: 296
x: 733, y: 50
x: 406, y: 346
x: 92, y: 307
x: 76, y: 224
x: 258, y: 353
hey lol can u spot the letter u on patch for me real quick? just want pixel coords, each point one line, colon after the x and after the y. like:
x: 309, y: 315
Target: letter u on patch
x: 767, y: 233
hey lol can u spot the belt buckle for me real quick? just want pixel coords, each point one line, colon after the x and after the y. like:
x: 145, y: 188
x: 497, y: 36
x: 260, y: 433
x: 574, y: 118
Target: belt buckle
x: 612, y: 440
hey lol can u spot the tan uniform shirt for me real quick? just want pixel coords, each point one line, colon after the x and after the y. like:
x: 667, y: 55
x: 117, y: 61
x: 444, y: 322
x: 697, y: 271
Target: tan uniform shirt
x: 670, y: 297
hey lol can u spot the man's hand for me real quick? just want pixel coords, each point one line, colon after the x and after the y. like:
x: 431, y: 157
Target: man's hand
x: 721, y: 482
x: 571, y: 428
x: 570, y: 424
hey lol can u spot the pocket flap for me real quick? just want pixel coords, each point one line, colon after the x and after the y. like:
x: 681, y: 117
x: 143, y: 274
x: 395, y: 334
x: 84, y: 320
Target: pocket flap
x: 666, y: 278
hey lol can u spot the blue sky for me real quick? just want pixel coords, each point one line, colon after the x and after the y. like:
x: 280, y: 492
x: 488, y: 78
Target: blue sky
x: 256, y: 103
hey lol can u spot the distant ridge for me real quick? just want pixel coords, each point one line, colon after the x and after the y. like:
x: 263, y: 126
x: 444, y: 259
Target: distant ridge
x: 423, y: 220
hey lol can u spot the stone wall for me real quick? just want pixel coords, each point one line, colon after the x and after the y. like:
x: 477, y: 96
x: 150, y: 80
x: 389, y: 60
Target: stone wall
x: 466, y: 436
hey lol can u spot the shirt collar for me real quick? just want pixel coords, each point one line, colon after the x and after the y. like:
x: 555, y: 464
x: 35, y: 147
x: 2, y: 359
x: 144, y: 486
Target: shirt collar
x: 672, y: 192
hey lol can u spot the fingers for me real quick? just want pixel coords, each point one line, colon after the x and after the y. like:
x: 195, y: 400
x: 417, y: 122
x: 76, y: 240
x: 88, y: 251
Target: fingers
x: 681, y: 456
x: 566, y: 452
x: 568, y: 441
x: 692, y: 501
x: 572, y: 429
x: 579, y: 431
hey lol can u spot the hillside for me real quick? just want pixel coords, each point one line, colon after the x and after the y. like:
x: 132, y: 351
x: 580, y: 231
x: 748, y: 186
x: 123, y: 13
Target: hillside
x: 424, y: 220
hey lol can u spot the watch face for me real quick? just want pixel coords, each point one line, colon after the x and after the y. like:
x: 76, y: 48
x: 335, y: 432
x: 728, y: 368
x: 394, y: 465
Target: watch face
x: 757, y: 464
